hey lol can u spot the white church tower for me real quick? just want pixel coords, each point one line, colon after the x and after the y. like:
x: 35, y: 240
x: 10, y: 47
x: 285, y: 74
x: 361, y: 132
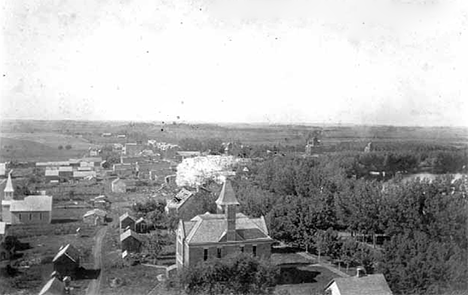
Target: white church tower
x: 7, y: 198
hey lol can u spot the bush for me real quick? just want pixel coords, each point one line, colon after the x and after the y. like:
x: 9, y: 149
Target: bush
x: 60, y: 147
x: 68, y: 147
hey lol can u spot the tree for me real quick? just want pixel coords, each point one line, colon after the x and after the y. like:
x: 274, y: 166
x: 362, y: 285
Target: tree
x: 68, y: 147
x: 60, y: 147
x: 237, y: 274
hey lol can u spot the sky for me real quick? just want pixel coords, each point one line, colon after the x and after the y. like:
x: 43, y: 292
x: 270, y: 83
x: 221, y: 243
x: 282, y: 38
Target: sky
x: 384, y: 62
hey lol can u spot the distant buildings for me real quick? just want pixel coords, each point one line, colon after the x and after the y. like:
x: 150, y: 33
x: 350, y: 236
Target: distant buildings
x: 359, y: 285
x: 217, y: 235
x: 32, y: 209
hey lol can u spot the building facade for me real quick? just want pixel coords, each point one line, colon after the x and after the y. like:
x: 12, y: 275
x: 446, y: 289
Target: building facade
x: 208, y: 236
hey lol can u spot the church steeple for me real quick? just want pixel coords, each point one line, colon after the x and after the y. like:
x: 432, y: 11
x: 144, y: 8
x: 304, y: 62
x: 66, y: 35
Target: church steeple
x: 9, y: 191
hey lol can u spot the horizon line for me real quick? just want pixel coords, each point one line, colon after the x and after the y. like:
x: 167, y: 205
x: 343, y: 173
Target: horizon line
x: 163, y: 122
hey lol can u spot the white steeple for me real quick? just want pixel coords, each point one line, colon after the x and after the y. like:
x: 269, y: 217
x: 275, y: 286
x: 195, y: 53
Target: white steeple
x: 9, y: 191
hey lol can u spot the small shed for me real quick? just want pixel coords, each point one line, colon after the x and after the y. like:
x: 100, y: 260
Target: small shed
x: 67, y: 261
x: 130, y: 241
x: 141, y: 226
x: 127, y: 221
x: 118, y: 186
x: 95, y: 217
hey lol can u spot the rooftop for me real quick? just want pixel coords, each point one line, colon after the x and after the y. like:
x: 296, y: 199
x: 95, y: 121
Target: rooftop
x: 179, y: 199
x: 98, y: 212
x: 129, y: 233
x: 53, y: 286
x: 211, y: 228
x: 68, y: 251
x: 227, y: 195
x: 31, y: 204
x: 366, y: 285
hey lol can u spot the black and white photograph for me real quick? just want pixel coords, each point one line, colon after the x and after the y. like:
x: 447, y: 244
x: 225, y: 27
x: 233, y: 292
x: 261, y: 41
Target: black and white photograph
x: 234, y: 147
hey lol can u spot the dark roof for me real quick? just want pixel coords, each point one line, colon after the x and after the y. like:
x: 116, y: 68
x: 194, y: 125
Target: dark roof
x: 227, y: 195
x: 129, y: 233
x: 68, y: 251
x: 366, y: 285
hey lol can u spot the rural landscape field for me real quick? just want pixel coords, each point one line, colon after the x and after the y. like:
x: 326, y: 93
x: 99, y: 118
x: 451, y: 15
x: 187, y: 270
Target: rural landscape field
x: 334, y: 198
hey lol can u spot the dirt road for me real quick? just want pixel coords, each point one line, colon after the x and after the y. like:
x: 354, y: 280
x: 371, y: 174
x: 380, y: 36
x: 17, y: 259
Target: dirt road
x: 94, y: 285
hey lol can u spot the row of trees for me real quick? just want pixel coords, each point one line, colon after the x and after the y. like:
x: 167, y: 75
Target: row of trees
x: 307, y: 201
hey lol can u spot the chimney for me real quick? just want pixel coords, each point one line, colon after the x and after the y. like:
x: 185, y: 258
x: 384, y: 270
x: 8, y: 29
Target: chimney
x: 360, y: 272
x: 231, y: 222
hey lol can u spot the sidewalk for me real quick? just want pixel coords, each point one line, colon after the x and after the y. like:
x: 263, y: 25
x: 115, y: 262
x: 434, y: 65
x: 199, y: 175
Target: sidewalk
x: 326, y: 265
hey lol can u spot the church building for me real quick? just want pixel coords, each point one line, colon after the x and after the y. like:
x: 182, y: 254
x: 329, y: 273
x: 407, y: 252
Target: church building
x: 32, y: 209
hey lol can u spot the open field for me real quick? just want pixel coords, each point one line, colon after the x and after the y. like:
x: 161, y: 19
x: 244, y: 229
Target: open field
x: 38, y: 140
x: 40, y: 146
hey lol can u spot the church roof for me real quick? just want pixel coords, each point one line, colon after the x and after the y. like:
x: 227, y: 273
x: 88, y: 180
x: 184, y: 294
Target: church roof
x: 9, y: 184
x: 31, y: 204
x: 227, y: 195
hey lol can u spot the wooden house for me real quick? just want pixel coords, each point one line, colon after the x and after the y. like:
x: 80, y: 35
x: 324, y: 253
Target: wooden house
x: 95, y: 217
x: 67, y: 261
x: 130, y: 241
x: 141, y: 226
x: 127, y: 221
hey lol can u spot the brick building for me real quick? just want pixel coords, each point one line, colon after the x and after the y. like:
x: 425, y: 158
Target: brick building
x: 216, y: 235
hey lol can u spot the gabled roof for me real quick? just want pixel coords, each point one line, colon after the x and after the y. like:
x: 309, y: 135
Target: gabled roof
x: 98, y: 212
x: 179, y: 199
x: 140, y: 220
x: 227, y: 195
x: 32, y: 203
x: 129, y: 233
x: 118, y: 180
x: 211, y: 228
x: 53, y: 287
x: 366, y: 285
x: 126, y: 215
x: 68, y: 251
x: 9, y: 185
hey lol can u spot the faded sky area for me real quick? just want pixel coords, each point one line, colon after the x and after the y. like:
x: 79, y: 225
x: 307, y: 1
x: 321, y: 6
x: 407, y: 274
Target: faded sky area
x: 398, y: 62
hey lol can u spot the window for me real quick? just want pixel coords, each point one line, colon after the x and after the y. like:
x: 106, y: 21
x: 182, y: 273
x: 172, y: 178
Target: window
x: 219, y: 253
x: 242, y: 249
x: 205, y: 254
x: 254, y: 250
x: 30, y: 216
x: 40, y: 216
x: 19, y: 216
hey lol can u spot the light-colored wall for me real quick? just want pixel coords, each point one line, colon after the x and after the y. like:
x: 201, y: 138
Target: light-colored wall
x: 30, y: 217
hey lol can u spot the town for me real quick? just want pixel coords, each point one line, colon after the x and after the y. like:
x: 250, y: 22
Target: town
x: 140, y: 208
